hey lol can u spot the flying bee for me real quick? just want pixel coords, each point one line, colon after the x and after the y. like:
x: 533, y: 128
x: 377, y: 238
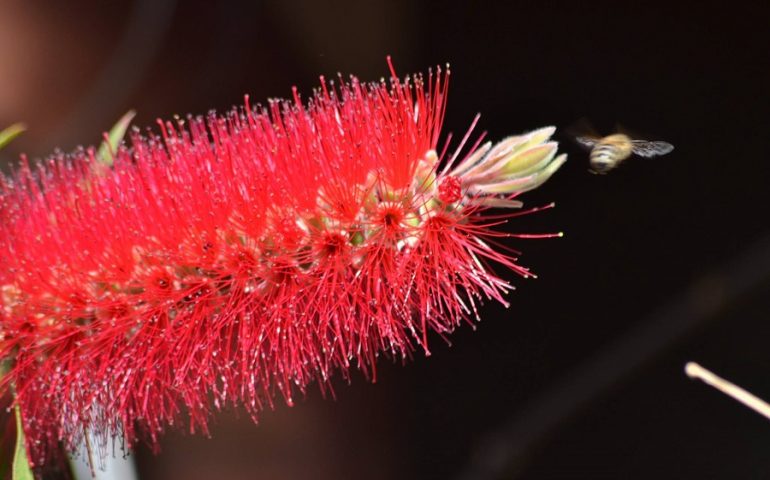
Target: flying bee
x: 608, y: 152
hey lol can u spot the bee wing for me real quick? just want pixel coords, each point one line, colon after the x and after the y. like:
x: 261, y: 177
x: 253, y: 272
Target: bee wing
x: 587, y: 142
x: 647, y: 149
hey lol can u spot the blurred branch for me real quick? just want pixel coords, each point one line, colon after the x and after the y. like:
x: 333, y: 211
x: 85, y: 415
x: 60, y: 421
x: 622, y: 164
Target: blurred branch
x: 507, y: 449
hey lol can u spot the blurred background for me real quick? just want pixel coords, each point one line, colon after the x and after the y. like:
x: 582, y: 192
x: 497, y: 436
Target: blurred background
x: 663, y: 261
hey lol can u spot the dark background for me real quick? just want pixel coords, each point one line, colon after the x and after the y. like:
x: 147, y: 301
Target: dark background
x: 582, y: 377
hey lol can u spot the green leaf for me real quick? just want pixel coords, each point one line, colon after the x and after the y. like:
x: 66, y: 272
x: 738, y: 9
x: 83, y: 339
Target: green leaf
x: 4, y: 466
x: 110, y: 145
x: 7, y: 135
x: 21, y: 470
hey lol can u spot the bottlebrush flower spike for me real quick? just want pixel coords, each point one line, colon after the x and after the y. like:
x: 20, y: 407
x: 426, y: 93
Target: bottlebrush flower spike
x: 232, y: 259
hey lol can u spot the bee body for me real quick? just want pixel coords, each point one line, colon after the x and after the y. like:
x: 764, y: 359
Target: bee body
x: 608, y: 152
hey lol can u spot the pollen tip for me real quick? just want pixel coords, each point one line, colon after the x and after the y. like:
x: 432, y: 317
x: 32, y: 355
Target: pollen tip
x: 692, y: 369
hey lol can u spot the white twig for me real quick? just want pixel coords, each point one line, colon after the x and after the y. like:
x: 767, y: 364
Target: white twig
x: 112, y: 468
x: 693, y: 370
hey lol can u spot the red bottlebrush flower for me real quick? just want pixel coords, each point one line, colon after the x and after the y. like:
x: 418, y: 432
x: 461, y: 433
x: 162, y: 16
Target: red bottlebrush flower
x: 233, y: 258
